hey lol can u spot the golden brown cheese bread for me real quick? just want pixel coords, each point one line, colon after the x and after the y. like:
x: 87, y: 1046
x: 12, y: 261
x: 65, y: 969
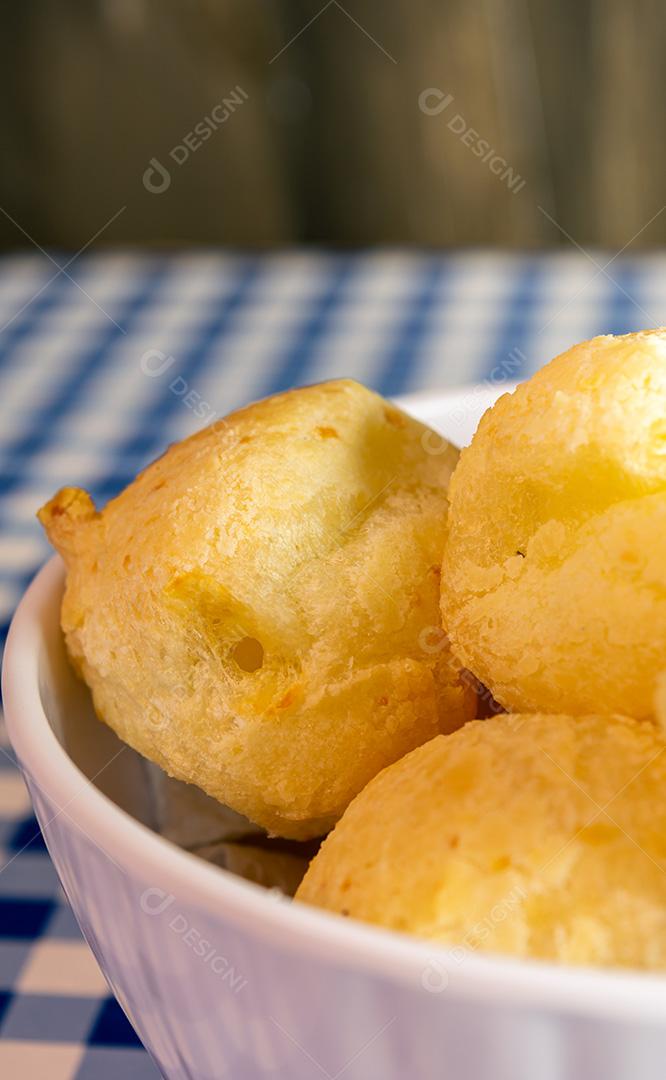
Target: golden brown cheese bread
x: 538, y: 836
x: 255, y: 612
x: 554, y: 577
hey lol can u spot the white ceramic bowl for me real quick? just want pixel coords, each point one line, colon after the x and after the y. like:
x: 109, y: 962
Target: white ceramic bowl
x: 223, y: 979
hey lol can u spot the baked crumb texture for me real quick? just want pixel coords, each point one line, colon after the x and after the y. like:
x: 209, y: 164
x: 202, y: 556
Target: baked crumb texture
x: 554, y: 576
x: 250, y: 612
x: 494, y: 838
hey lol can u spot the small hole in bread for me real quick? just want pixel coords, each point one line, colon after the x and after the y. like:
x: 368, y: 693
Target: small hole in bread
x: 248, y: 654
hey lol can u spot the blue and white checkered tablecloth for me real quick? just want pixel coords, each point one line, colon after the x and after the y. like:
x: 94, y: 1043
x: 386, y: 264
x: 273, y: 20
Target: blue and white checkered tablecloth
x: 103, y: 364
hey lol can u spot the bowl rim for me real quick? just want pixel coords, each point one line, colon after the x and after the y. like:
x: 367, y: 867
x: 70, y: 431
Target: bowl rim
x: 630, y: 996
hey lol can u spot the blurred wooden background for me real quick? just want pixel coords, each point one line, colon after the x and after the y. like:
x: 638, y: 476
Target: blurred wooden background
x: 331, y: 145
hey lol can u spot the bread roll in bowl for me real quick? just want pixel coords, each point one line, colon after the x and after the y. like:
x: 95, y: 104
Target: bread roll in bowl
x: 255, y: 612
x: 537, y: 836
x: 554, y: 576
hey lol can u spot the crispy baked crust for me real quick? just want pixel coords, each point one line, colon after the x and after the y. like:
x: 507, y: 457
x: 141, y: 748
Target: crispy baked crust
x: 541, y: 836
x: 554, y: 576
x: 249, y: 613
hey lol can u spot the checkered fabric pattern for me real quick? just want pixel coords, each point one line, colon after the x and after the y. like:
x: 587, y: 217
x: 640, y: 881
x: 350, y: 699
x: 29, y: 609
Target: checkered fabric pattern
x: 102, y: 365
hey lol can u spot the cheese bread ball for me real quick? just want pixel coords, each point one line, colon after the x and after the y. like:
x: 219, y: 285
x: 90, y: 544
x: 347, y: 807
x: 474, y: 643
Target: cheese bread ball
x: 554, y: 577
x: 538, y: 836
x: 255, y: 611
